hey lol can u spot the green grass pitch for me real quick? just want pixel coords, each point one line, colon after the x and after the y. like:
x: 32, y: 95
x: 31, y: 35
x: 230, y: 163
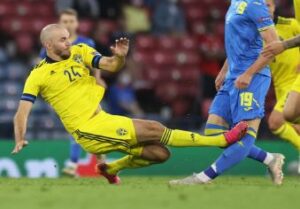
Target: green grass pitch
x: 148, y: 193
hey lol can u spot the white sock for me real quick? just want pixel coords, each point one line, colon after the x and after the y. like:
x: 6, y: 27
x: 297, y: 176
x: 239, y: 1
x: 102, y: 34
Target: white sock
x: 268, y: 159
x: 203, y: 177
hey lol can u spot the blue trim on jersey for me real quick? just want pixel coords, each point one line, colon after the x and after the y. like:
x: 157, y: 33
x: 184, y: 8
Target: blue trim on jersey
x: 28, y: 97
x: 95, y: 61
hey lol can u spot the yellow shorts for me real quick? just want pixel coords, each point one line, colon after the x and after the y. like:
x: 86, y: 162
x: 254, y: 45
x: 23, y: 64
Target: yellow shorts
x: 281, y: 96
x: 106, y: 133
x: 296, y: 85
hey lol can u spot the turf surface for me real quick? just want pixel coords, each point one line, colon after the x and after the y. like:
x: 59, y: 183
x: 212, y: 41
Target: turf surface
x: 148, y: 193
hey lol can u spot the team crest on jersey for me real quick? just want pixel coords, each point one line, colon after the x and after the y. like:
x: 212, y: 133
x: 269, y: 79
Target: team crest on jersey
x: 77, y: 58
x: 122, y: 132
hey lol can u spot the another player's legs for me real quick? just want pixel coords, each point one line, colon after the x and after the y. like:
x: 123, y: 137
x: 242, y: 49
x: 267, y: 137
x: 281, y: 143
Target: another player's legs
x: 72, y: 164
x: 291, y: 110
x: 230, y: 156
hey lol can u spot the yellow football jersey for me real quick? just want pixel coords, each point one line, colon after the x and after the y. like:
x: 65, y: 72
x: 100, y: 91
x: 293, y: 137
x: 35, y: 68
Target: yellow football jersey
x: 67, y: 86
x: 284, y: 66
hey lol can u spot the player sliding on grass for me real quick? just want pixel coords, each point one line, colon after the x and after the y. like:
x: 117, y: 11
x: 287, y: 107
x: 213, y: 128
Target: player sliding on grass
x: 242, y: 86
x: 63, y: 80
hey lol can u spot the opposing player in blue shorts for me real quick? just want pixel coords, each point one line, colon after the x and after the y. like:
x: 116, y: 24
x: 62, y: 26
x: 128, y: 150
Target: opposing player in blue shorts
x: 242, y: 86
x: 69, y: 19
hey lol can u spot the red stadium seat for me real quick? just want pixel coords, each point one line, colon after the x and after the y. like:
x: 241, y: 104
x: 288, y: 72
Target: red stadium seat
x: 44, y: 9
x: 188, y: 57
x: 167, y: 43
x: 143, y: 57
x: 195, y: 13
x: 145, y: 42
x: 188, y: 43
x: 24, y: 43
x: 7, y: 9
x: 86, y: 27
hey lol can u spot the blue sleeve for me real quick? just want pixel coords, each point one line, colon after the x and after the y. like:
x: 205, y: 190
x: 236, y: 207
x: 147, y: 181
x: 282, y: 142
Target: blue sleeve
x: 259, y: 13
x: 43, y: 53
x: 91, y: 43
x: 126, y: 96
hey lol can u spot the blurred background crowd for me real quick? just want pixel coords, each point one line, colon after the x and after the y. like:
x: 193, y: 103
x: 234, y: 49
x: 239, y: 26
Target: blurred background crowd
x: 177, y: 50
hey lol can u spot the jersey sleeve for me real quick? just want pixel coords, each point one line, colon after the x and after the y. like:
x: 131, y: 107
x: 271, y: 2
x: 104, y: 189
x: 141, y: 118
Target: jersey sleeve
x: 90, y: 56
x: 258, y: 12
x: 297, y: 10
x: 31, y: 88
x: 296, y: 27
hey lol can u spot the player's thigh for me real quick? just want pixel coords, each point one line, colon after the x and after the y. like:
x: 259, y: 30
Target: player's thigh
x: 291, y: 108
x: 105, y: 133
x: 148, y: 130
x: 219, y: 111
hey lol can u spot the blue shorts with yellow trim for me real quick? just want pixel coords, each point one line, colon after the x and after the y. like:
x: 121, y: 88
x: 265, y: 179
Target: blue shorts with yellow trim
x: 235, y: 105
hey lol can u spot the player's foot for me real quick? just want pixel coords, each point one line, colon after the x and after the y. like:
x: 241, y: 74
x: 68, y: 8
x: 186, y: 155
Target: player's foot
x: 237, y: 132
x: 101, y: 169
x: 190, y: 180
x: 70, y: 169
x: 275, y: 168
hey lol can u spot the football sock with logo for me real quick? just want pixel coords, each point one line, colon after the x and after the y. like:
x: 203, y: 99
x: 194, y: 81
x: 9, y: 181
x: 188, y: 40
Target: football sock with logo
x: 179, y: 138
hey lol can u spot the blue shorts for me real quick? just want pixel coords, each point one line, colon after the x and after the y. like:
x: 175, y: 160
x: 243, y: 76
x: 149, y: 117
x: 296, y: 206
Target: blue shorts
x: 235, y: 105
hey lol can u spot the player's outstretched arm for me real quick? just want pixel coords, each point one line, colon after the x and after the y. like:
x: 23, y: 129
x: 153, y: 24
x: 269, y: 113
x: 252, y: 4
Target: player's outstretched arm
x: 20, y: 125
x: 269, y: 35
x: 278, y: 47
x: 117, y: 61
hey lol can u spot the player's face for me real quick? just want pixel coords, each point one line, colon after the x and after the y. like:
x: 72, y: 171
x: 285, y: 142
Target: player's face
x: 70, y: 22
x: 271, y: 6
x: 61, y: 44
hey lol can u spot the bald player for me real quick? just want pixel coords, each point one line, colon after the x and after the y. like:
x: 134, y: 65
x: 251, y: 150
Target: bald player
x: 63, y: 80
x: 69, y: 19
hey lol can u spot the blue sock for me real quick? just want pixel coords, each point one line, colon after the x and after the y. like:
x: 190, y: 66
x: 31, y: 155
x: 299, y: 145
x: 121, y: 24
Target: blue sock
x: 231, y: 156
x: 257, y: 153
x: 75, y: 151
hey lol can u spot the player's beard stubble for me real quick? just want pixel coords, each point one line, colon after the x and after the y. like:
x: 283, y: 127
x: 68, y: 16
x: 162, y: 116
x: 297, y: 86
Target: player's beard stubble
x: 63, y: 54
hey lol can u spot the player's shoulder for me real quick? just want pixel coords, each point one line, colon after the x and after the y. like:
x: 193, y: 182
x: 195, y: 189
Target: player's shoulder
x: 86, y: 40
x: 39, y: 66
x: 286, y: 21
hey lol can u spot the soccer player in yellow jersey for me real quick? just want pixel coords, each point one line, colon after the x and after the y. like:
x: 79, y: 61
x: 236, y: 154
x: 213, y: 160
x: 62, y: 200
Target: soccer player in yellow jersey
x: 284, y: 74
x: 62, y: 79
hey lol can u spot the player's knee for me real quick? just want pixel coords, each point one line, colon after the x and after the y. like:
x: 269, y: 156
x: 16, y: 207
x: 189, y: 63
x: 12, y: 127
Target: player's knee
x: 274, y: 123
x: 163, y: 155
x: 289, y: 115
x: 155, y: 128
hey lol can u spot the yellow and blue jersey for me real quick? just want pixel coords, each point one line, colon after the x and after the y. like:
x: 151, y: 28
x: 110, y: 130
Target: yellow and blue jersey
x: 243, y: 42
x: 67, y: 85
x: 79, y: 40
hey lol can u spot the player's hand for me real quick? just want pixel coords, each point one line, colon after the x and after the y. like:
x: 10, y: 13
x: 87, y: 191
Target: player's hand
x: 121, y: 47
x: 19, y: 146
x: 220, y: 80
x: 243, y: 81
x: 273, y: 49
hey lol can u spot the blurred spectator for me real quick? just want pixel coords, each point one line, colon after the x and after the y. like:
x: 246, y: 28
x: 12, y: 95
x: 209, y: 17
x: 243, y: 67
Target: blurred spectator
x: 122, y: 99
x: 136, y: 17
x: 110, y: 9
x: 85, y: 8
x: 168, y: 17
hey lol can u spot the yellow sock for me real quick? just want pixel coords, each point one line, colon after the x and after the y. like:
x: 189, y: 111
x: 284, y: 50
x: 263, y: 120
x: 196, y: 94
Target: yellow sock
x: 128, y: 161
x: 288, y: 133
x: 179, y: 138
